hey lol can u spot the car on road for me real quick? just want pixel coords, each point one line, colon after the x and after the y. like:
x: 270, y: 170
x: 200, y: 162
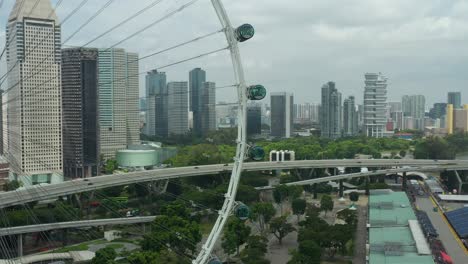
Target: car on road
x: 196, y: 167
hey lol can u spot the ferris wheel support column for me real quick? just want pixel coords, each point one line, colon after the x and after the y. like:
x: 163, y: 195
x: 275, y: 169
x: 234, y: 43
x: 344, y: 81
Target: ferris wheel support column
x: 229, y: 202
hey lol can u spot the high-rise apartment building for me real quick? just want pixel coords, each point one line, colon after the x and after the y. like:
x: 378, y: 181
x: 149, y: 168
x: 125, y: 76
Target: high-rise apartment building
x: 254, y: 120
x: 34, y: 109
x: 281, y: 114
x: 331, y: 112
x: 306, y: 113
x: 414, y: 106
x: 454, y: 98
x: 156, y: 96
x: 202, y: 102
x: 80, y: 112
x: 350, y: 118
x: 375, y: 101
x: 118, y: 100
x: 177, y: 108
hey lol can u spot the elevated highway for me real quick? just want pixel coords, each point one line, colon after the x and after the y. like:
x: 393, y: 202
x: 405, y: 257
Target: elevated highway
x: 74, y: 224
x: 45, y: 192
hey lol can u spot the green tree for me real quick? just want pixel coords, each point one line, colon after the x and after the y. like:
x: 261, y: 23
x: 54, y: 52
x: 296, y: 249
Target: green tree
x: 309, y: 253
x: 280, y: 227
x: 354, y: 196
x: 284, y: 193
x: 174, y: 229
x: 105, y: 255
x: 111, y: 166
x: 12, y: 185
x: 255, y: 250
x: 326, y: 203
x: 434, y: 148
x: 235, y: 234
x: 165, y: 256
x: 299, y: 207
x: 402, y: 153
x: 262, y: 212
x: 349, y: 216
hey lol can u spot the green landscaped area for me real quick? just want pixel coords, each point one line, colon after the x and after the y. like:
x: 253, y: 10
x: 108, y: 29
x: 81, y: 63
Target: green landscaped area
x: 390, y: 239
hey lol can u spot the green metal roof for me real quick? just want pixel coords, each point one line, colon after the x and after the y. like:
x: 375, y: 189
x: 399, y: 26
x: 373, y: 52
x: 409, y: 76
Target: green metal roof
x: 390, y: 238
x: 392, y: 209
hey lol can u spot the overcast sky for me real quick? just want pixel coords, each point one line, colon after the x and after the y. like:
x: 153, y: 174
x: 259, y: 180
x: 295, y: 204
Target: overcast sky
x: 420, y: 45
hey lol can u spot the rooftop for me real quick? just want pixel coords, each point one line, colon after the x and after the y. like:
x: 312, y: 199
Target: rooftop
x: 390, y: 238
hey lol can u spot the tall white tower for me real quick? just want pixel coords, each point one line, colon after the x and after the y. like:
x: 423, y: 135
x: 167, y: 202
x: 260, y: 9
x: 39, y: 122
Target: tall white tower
x: 34, y: 110
x: 375, y: 102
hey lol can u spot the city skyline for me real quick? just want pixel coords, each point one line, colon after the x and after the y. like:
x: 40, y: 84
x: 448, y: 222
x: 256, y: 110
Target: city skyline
x: 338, y: 33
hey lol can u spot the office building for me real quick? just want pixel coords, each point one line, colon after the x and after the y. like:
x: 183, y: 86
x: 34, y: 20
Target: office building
x: 375, y: 101
x: 254, y: 120
x: 202, y: 102
x: 438, y: 110
x: 331, y: 112
x: 156, y: 96
x: 460, y: 120
x: 449, y: 119
x: 177, y: 108
x: 118, y: 100
x: 281, y: 114
x: 350, y: 119
x: 208, y: 108
x: 34, y: 110
x: 454, y: 98
x: 80, y: 112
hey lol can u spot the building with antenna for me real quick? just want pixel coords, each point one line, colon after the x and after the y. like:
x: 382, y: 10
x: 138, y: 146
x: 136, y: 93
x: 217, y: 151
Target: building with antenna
x: 34, y: 101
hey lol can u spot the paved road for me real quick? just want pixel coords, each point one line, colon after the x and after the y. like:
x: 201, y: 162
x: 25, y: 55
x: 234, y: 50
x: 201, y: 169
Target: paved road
x: 52, y: 191
x: 445, y: 235
x: 360, y: 237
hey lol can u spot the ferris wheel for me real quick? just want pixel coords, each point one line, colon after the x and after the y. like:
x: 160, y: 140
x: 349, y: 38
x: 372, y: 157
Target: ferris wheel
x: 244, y: 93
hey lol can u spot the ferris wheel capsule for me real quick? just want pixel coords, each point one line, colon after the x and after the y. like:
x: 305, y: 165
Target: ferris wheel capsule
x: 256, y: 92
x: 256, y: 153
x: 242, y: 211
x: 244, y: 32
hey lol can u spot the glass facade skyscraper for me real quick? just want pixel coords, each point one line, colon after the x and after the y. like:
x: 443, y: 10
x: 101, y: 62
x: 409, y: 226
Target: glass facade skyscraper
x: 80, y: 112
x: 454, y: 98
x: 157, y: 97
x: 202, y: 102
x: 331, y: 112
x: 177, y: 108
x: 282, y: 105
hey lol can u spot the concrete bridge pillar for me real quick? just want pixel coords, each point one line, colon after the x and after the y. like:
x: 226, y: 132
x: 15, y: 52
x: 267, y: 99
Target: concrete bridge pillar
x: 341, y: 192
x: 404, y: 183
x: 20, y: 245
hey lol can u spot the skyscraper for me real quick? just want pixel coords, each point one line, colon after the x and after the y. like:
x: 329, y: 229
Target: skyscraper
x: 80, y: 112
x: 118, y: 100
x: 34, y: 110
x: 177, y: 108
x: 254, y: 120
x: 157, y: 109
x: 350, y: 119
x: 375, y: 101
x: 438, y: 110
x: 202, y: 102
x: 454, y: 98
x: 281, y: 114
x: 331, y: 112
x: 208, y: 108
x: 414, y: 106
